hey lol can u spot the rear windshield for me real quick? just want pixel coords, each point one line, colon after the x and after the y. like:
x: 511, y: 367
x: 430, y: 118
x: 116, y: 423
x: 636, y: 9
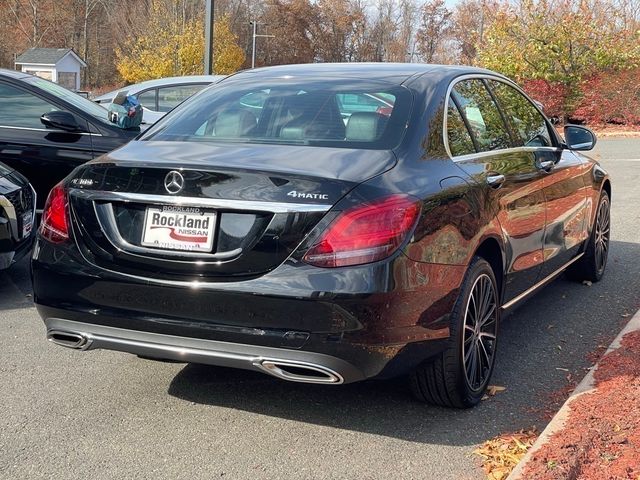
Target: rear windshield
x: 345, y: 113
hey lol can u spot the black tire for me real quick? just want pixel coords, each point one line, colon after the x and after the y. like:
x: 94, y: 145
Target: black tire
x: 593, y: 263
x: 445, y: 379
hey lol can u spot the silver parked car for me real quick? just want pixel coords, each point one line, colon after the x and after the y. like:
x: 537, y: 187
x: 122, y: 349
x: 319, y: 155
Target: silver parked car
x: 159, y: 96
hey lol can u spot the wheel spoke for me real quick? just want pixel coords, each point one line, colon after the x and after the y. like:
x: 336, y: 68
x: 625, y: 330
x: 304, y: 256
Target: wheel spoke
x: 488, y: 316
x: 487, y: 335
x: 477, y: 377
x: 479, y: 331
x: 475, y: 309
x: 467, y: 355
x: 487, y: 357
x: 470, y: 362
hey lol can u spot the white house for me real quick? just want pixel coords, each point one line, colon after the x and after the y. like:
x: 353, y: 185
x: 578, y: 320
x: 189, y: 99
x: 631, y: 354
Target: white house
x: 60, y: 65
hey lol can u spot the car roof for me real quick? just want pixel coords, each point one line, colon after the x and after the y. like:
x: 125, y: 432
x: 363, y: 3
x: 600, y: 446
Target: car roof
x: 161, y: 82
x: 13, y: 73
x: 390, y: 72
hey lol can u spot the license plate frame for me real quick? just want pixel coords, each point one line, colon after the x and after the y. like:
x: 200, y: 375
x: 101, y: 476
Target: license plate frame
x: 185, y: 229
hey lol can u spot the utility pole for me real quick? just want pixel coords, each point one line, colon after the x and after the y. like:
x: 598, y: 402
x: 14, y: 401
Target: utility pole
x: 412, y: 53
x: 208, y: 37
x: 254, y: 24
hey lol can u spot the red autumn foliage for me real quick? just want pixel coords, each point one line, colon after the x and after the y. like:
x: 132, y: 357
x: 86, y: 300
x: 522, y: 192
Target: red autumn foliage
x: 601, y: 437
x: 610, y: 97
x: 551, y: 95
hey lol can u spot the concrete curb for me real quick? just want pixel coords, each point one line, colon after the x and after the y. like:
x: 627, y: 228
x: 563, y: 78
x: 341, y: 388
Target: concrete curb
x: 587, y: 385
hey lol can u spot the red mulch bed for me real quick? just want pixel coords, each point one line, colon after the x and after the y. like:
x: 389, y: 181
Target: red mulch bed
x: 601, y: 439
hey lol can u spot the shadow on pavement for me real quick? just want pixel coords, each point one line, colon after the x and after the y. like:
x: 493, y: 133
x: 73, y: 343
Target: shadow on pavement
x: 15, y: 286
x: 548, y: 336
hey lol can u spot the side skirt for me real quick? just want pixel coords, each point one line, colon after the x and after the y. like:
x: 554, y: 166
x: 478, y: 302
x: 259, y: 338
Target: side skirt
x: 540, y: 284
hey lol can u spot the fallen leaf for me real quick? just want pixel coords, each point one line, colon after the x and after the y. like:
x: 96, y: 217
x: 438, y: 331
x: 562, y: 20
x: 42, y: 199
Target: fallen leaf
x: 493, y: 389
x: 501, y: 454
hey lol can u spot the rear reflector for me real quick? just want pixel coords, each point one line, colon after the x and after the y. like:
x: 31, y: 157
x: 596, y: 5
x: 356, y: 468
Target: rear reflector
x: 55, y: 218
x: 365, y: 234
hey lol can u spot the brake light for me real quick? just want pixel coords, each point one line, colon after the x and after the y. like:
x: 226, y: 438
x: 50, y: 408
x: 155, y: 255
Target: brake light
x: 365, y: 234
x: 55, y: 218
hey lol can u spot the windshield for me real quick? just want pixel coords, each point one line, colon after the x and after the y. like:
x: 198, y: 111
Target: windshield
x: 348, y: 113
x: 87, y: 106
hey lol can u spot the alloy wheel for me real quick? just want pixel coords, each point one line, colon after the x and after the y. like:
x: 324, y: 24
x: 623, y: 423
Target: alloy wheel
x: 480, y: 331
x: 602, y: 234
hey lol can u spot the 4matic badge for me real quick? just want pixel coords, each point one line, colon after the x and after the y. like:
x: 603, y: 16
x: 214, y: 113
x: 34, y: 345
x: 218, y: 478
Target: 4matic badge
x: 315, y: 196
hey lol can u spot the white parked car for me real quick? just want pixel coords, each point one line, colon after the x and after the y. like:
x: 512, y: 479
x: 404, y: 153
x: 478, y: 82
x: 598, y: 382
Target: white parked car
x: 159, y: 96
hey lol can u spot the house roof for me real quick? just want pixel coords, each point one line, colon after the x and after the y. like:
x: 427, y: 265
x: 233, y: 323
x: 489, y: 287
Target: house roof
x: 46, y: 56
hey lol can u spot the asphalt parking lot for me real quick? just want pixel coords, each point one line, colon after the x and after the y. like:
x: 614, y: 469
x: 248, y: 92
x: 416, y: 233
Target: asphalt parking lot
x: 67, y: 414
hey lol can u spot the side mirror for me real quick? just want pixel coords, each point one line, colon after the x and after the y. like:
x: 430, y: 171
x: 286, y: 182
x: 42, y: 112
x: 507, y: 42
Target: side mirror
x: 579, y: 138
x: 60, y: 120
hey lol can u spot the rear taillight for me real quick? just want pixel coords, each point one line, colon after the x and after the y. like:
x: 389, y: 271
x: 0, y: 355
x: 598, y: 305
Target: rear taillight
x: 55, y: 218
x: 365, y: 233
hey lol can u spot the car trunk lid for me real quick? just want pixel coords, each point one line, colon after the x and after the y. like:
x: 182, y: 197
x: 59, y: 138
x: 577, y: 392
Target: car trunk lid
x: 246, y: 208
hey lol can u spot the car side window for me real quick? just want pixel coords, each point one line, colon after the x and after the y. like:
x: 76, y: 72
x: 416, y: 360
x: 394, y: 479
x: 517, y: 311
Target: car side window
x: 148, y: 99
x: 171, y: 97
x: 19, y: 108
x: 458, y: 136
x: 482, y: 115
x: 525, y: 119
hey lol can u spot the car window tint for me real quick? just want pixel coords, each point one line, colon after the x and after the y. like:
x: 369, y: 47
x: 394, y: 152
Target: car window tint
x: 170, y: 97
x: 482, y: 114
x: 341, y: 113
x: 460, y: 142
x: 19, y: 108
x: 525, y: 119
x: 148, y: 99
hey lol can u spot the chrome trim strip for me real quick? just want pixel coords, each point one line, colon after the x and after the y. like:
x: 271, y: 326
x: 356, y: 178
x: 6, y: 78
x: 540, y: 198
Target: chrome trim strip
x: 211, y: 352
x: 48, y: 130
x: 542, y: 282
x: 445, y: 136
x: 220, y: 203
x: 272, y: 367
x: 504, y: 151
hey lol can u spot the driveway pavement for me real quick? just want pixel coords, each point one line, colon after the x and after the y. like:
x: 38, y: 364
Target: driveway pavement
x: 67, y: 414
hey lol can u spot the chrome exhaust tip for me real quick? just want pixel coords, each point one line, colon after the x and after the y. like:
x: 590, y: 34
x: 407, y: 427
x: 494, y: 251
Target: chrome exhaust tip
x: 300, y: 372
x: 73, y: 340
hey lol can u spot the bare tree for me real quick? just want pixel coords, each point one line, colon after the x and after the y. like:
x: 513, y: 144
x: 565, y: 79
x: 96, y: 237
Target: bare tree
x: 435, y: 25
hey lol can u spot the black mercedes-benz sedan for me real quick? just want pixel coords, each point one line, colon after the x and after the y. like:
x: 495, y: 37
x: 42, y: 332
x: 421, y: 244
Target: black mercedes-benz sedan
x: 265, y: 225
x: 17, y: 215
x: 46, y: 130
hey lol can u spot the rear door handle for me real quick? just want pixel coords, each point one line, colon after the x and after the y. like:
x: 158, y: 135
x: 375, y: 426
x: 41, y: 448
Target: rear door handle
x: 546, y: 165
x: 495, y: 181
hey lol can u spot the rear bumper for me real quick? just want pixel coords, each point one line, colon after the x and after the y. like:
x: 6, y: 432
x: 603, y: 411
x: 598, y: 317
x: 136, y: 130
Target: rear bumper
x: 292, y: 365
x: 377, y: 320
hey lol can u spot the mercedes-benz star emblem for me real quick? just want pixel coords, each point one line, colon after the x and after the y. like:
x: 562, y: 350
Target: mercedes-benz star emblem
x: 174, y: 182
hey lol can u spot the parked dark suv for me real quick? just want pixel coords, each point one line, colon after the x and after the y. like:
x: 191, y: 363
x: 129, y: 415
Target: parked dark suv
x: 260, y: 225
x: 17, y: 214
x: 46, y: 130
